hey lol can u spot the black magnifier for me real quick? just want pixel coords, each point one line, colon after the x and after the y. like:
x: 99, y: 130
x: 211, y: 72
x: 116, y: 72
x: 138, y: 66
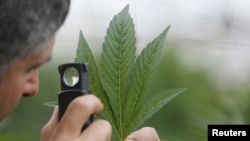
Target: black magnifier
x: 74, y: 83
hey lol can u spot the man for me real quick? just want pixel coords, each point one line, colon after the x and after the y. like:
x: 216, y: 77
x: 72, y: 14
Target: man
x: 27, y: 36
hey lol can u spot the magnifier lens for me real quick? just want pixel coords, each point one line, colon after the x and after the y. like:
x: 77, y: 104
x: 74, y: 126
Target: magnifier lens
x: 71, y: 76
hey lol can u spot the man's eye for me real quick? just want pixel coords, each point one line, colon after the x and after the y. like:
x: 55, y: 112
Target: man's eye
x: 28, y: 70
x: 31, y: 69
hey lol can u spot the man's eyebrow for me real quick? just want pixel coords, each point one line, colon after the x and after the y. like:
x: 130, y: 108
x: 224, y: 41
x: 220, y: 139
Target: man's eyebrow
x: 41, y: 63
x: 45, y: 61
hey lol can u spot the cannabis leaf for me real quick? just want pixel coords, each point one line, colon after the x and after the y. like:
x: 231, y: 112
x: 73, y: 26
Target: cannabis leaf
x: 122, y: 81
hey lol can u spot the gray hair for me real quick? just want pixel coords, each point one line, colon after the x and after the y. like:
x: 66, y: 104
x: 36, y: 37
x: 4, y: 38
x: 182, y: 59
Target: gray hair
x: 27, y: 24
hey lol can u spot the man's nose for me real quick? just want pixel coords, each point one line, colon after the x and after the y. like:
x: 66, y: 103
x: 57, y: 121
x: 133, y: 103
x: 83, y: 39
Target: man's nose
x: 32, y: 84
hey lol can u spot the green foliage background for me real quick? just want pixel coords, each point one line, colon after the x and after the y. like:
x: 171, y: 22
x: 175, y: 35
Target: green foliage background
x: 185, y: 118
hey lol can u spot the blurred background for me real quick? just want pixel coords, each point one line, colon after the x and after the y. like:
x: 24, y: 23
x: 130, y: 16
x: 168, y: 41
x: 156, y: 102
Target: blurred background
x: 207, y: 51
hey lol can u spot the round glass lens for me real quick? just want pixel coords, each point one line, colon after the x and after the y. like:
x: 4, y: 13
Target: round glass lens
x: 71, y: 76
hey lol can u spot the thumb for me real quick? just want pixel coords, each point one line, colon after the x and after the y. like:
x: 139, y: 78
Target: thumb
x: 50, y: 127
x: 144, y: 134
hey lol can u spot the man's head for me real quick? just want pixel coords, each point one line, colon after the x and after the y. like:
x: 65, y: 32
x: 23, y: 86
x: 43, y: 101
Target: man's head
x: 26, y: 24
x: 27, y: 30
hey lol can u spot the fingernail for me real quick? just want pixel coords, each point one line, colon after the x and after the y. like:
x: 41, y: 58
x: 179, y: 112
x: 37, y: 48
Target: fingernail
x: 129, y: 139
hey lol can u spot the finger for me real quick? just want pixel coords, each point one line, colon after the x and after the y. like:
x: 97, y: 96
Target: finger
x: 78, y: 111
x: 48, y: 129
x: 144, y: 134
x: 100, y: 130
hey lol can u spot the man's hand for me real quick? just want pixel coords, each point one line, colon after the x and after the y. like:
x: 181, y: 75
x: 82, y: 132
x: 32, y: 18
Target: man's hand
x: 69, y: 128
